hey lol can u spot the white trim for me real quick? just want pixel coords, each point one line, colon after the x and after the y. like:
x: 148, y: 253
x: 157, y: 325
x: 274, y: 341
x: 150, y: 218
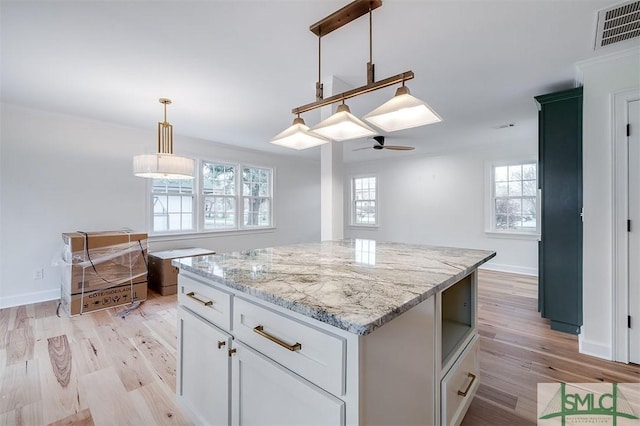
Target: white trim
x: 582, y: 65
x: 620, y: 237
x: 489, y: 213
x: 156, y: 238
x: 531, y: 236
x: 589, y: 347
x: 522, y: 270
x: 352, y: 223
x: 29, y: 298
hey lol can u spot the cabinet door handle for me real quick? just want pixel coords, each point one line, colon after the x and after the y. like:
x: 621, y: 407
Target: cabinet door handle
x: 221, y: 343
x: 260, y: 330
x: 473, y: 379
x: 204, y: 302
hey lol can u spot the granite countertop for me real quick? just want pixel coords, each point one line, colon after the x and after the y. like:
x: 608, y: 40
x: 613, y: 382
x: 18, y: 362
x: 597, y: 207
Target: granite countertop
x: 355, y: 285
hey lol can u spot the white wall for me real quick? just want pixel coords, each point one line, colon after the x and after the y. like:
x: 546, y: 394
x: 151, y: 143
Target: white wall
x: 440, y: 200
x: 60, y: 173
x: 601, y: 79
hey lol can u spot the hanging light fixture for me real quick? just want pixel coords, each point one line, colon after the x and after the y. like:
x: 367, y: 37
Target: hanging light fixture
x: 164, y: 165
x: 403, y: 111
x: 343, y: 125
x: 297, y: 136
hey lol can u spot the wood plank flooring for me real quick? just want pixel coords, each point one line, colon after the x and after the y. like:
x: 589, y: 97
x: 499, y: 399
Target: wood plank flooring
x: 105, y: 369
x: 518, y: 350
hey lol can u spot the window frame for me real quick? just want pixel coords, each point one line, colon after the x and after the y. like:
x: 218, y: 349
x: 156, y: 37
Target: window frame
x: 194, y: 206
x: 352, y: 202
x: 490, y: 202
x: 198, y: 203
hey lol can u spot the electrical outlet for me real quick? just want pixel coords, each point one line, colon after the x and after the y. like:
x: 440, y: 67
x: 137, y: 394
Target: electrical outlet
x: 38, y: 274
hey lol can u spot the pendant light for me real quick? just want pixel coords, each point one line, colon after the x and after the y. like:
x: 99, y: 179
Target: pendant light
x: 403, y: 111
x: 343, y: 126
x: 164, y: 165
x: 297, y: 136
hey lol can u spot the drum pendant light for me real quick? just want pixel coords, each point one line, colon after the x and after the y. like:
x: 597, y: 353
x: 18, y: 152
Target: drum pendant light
x: 164, y: 165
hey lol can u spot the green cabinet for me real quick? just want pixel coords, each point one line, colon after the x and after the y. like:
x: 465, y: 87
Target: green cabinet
x: 560, y: 181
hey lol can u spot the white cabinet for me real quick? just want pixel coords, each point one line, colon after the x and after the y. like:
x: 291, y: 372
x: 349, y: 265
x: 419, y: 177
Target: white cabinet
x: 204, y: 367
x: 265, y: 393
x: 266, y: 365
x: 460, y: 384
x: 459, y: 368
x: 314, y: 354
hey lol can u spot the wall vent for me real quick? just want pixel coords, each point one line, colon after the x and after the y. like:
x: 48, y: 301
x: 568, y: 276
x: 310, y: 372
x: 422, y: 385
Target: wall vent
x: 618, y: 23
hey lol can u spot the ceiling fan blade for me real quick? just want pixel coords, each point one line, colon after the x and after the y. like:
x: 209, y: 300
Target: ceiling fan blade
x: 399, y: 148
x: 360, y: 149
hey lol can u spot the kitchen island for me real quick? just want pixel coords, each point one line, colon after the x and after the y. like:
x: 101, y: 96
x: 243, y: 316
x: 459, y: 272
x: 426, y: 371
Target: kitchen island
x: 352, y: 332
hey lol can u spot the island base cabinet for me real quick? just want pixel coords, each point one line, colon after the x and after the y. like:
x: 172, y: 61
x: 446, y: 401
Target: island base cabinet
x: 204, y: 368
x: 460, y: 385
x: 265, y: 393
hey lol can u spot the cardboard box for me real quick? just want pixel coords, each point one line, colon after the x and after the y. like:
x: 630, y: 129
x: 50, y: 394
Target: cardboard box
x: 103, y: 299
x: 163, y: 277
x: 100, y: 260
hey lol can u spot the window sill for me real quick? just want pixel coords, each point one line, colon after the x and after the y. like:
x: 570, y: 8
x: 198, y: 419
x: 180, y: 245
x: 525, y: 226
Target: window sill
x: 370, y: 227
x: 207, y: 234
x: 531, y: 236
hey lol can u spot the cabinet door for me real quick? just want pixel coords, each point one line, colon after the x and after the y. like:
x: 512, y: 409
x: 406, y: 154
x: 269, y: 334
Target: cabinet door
x: 560, y: 179
x: 265, y: 393
x: 204, y: 369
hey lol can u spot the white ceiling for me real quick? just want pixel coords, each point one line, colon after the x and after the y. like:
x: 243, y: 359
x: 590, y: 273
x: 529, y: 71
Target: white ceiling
x: 235, y: 69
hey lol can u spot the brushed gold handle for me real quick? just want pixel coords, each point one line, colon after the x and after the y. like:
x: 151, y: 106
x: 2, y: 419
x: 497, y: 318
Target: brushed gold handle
x: 473, y: 379
x: 260, y: 330
x: 204, y: 302
x: 221, y: 343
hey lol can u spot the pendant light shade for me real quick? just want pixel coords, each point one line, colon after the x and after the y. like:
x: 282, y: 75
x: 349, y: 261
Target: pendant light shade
x: 164, y: 165
x: 297, y: 136
x: 343, y: 126
x: 403, y: 111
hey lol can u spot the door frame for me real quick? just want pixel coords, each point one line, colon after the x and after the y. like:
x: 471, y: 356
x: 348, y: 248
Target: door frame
x: 620, y: 191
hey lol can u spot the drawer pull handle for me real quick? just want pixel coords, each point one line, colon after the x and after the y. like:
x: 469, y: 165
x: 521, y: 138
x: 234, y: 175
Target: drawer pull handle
x: 204, y: 302
x: 473, y: 379
x: 260, y: 330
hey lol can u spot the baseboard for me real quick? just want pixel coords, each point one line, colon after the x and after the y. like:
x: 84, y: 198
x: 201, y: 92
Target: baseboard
x: 28, y: 298
x: 523, y: 270
x: 595, y: 349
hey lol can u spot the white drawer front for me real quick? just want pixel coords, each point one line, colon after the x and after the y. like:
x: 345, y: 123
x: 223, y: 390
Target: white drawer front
x: 460, y: 384
x: 211, y: 304
x: 319, y: 358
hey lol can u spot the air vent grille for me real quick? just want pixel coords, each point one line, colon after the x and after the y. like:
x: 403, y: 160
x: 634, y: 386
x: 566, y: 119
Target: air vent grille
x: 618, y: 23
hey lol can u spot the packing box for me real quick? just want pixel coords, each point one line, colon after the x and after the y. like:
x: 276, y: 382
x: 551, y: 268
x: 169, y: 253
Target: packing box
x: 102, y: 270
x: 102, y: 299
x: 99, y: 260
x: 163, y: 277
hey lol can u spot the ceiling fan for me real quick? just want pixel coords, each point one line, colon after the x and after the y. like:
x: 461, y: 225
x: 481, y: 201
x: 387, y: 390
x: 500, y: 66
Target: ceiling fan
x: 380, y: 145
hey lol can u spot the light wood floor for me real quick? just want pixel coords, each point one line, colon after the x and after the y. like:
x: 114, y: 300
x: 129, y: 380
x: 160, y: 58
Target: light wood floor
x: 104, y: 369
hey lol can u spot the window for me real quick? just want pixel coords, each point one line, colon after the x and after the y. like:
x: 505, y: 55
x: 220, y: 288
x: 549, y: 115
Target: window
x: 172, y: 205
x: 219, y: 193
x: 256, y: 195
x: 363, y: 201
x: 514, y: 198
x: 227, y: 196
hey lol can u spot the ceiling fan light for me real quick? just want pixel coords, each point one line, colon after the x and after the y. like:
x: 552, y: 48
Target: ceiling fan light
x: 163, y: 166
x: 343, y: 126
x: 403, y: 111
x: 297, y: 136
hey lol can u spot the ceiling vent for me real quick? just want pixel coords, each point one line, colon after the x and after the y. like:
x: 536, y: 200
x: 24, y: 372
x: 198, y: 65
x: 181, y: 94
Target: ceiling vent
x: 618, y: 23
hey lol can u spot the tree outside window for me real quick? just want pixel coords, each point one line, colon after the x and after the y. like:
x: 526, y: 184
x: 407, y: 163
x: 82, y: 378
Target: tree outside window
x: 515, y: 197
x: 364, y: 194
